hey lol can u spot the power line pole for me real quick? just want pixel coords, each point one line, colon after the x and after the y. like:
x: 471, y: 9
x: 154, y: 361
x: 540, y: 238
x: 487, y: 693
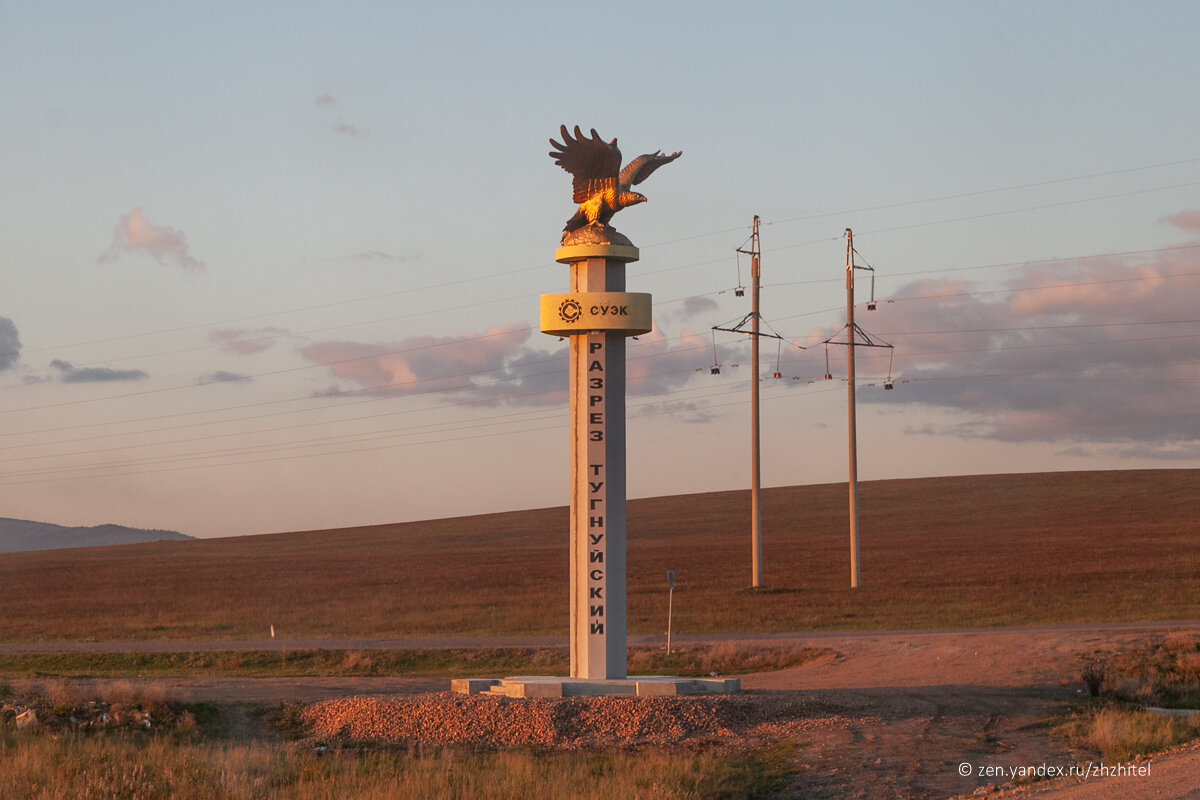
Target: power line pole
x: 853, y: 479
x: 754, y: 318
x: 855, y: 337
x: 755, y: 460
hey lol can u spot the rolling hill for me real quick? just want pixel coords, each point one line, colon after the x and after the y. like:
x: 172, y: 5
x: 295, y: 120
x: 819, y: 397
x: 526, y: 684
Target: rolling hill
x: 18, y: 535
x: 968, y: 551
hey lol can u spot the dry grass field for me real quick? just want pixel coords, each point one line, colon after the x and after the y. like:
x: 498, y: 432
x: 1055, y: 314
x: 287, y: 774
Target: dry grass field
x: 936, y: 553
x: 939, y: 552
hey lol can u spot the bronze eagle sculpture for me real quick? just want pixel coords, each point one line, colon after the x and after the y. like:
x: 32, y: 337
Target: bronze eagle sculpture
x: 601, y: 186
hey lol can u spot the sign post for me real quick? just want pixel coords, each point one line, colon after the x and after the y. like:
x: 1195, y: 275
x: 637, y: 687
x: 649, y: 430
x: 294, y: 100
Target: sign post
x: 670, y: 602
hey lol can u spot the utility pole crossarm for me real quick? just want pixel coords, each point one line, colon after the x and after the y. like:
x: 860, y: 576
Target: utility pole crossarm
x: 857, y: 338
x: 737, y: 329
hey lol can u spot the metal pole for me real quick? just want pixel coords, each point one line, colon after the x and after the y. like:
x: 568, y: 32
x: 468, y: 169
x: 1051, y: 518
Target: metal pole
x: 853, y: 480
x: 755, y: 461
x: 670, y: 602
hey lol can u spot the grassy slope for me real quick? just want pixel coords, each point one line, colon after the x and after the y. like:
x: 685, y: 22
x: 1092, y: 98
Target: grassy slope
x: 939, y: 552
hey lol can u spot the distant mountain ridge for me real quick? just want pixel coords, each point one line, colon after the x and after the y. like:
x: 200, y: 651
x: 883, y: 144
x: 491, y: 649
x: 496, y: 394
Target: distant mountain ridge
x: 17, y: 535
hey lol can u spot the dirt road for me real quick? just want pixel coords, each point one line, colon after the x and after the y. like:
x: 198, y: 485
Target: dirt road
x: 929, y: 714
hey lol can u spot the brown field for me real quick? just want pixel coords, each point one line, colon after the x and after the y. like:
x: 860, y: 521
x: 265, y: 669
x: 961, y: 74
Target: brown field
x: 864, y: 715
x: 941, y: 552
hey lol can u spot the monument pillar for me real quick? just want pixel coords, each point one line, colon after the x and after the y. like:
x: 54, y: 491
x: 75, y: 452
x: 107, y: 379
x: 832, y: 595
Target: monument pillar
x: 597, y: 315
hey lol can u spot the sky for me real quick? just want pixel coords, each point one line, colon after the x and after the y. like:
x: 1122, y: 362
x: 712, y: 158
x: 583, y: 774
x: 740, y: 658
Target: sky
x: 276, y: 266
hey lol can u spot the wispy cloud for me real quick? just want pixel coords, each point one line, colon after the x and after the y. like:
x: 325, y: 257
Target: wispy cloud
x: 70, y: 374
x: 245, y: 341
x: 347, y: 129
x: 10, y: 344
x: 690, y: 309
x: 340, y: 126
x: 135, y: 234
x: 379, y: 255
x: 222, y: 376
x: 684, y: 411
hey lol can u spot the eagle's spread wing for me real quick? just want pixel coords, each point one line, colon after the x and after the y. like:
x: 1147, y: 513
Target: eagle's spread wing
x: 592, y: 162
x: 640, y: 168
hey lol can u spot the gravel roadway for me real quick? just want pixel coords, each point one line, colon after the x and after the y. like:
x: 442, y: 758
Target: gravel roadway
x: 912, y: 714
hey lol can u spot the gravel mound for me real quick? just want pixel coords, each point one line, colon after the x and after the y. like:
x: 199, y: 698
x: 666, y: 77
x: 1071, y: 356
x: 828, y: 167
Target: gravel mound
x: 570, y: 723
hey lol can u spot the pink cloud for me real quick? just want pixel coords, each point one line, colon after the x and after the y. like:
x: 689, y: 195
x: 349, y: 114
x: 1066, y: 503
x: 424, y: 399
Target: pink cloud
x: 1105, y: 285
x: 425, y: 363
x: 136, y: 234
x: 1185, y: 220
x: 655, y: 365
x: 327, y: 100
x: 1086, y: 350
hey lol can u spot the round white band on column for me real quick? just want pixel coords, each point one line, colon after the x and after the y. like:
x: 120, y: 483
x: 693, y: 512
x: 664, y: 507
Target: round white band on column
x: 583, y: 312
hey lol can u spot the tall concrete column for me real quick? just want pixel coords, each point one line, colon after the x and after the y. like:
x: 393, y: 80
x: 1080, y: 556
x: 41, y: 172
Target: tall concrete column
x: 597, y: 315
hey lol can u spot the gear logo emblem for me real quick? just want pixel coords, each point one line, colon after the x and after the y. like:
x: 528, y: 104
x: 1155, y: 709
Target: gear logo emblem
x: 570, y: 310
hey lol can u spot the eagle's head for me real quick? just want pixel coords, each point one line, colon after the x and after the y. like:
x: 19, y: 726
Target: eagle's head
x: 627, y: 199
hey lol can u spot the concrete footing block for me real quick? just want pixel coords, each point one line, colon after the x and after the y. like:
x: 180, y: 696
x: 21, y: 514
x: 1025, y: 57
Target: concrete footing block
x: 472, y: 685
x: 523, y: 687
x: 641, y: 686
x: 598, y: 688
x: 652, y: 686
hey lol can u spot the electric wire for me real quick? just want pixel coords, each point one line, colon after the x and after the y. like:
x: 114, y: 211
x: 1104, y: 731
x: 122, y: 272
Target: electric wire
x: 327, y: 365
x: 541, y: 414
x: 725, y: 231
x: 495, y: 334
x: 497, y: 419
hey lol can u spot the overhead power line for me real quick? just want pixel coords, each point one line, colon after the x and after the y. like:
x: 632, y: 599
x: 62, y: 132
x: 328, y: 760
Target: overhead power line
x: 515, y: 419
x: 442, y: 283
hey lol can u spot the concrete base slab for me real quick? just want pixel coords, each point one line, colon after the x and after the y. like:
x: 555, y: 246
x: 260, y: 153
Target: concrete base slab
x: 471, y: 685
x: 641, y: 686
x: 668, y: 686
